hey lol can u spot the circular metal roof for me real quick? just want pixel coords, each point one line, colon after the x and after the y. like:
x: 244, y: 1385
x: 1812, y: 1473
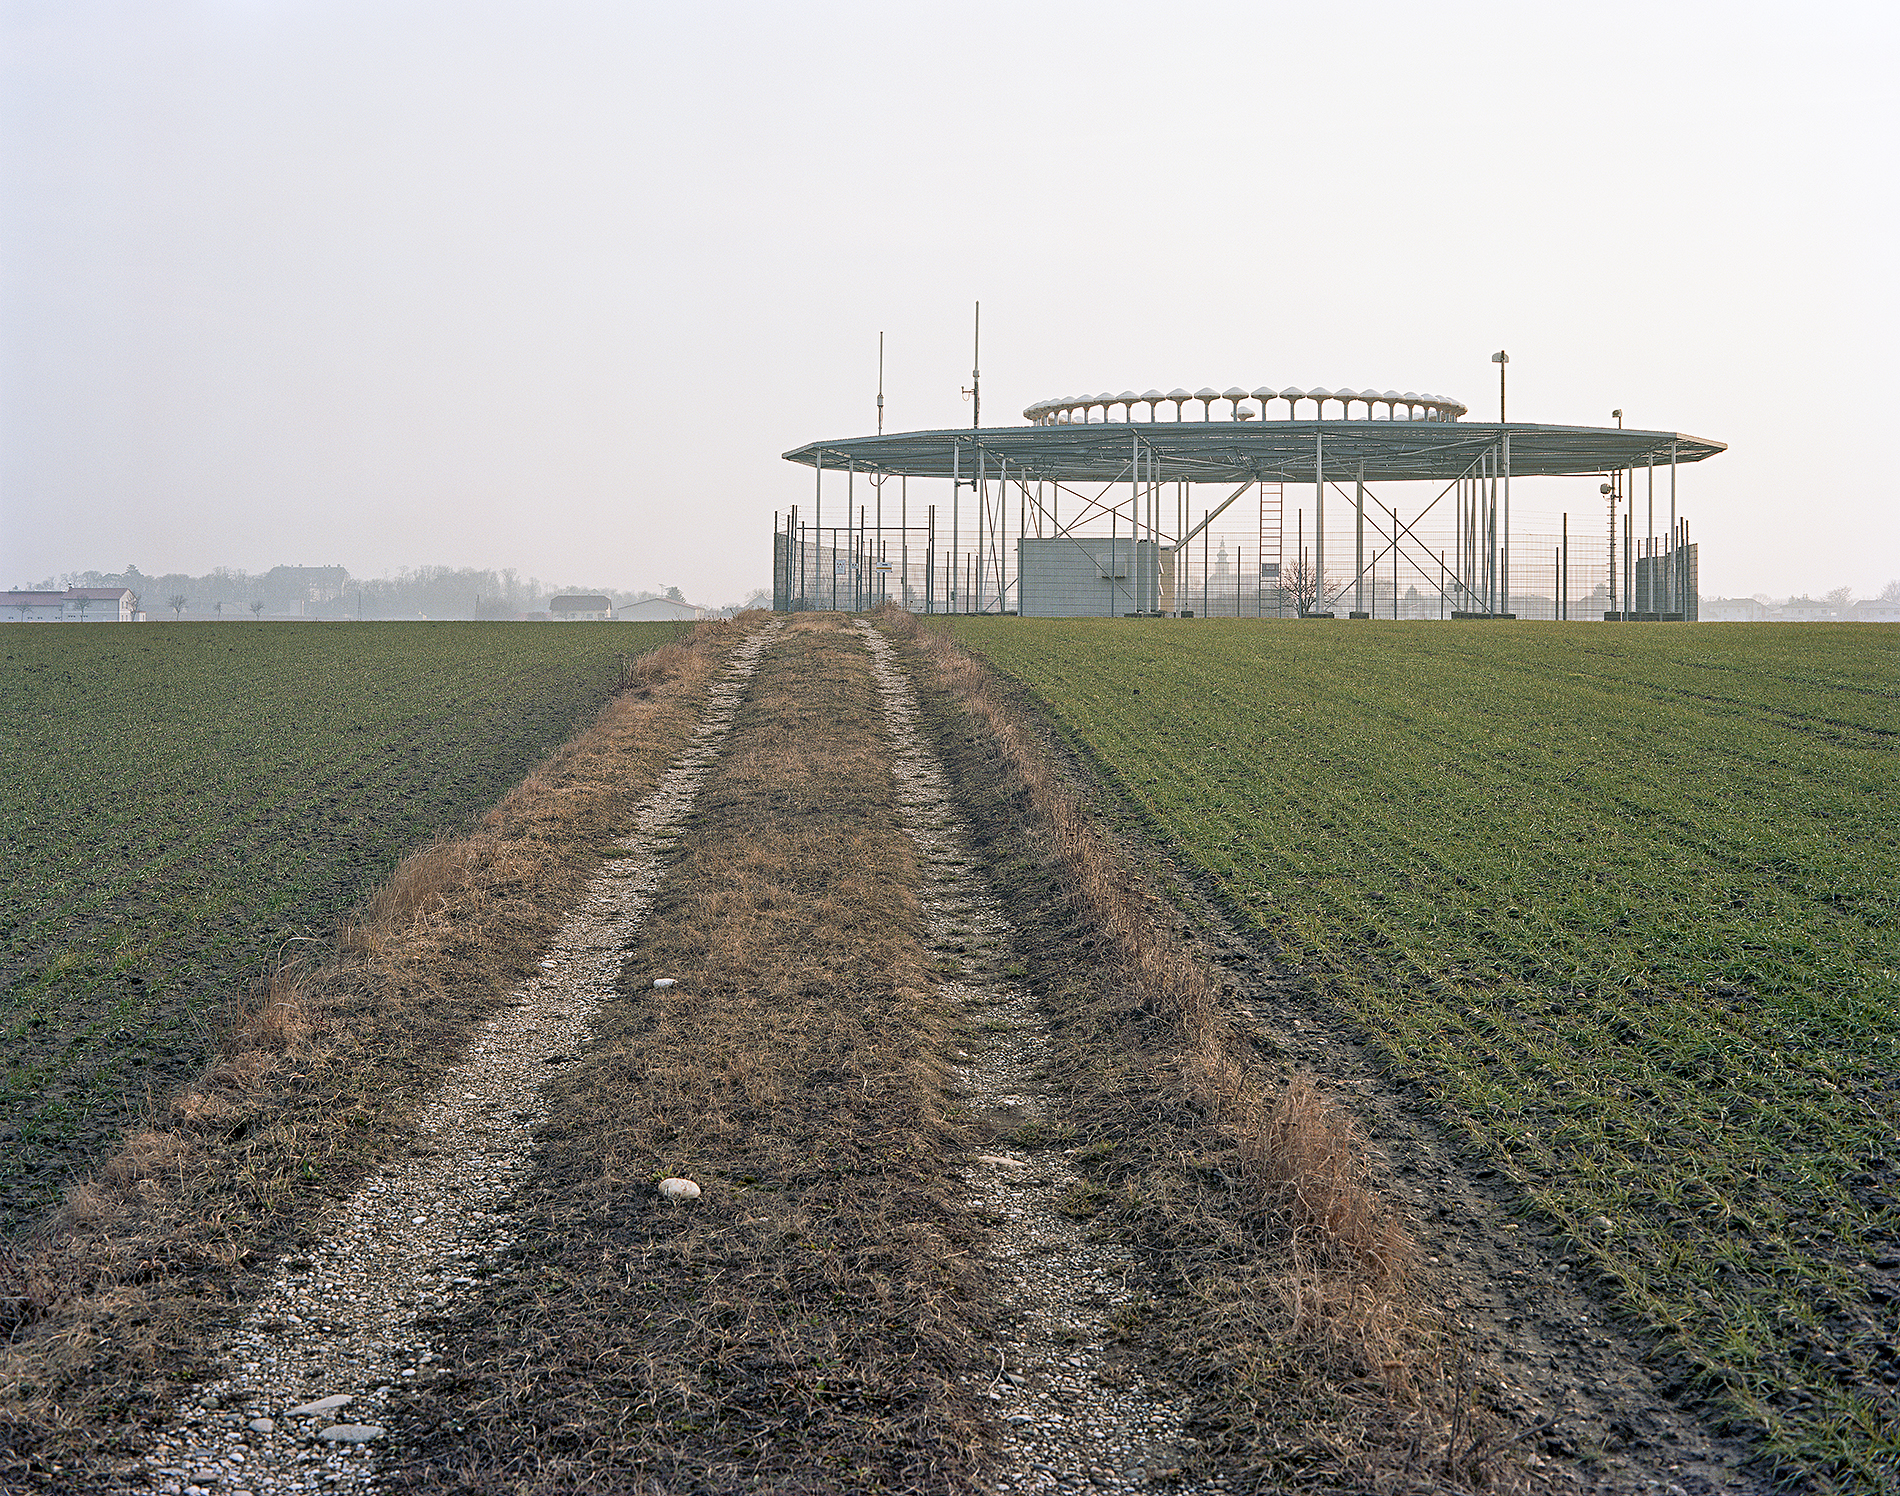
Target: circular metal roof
x: 1079, y: 408
x: 1272, y: 451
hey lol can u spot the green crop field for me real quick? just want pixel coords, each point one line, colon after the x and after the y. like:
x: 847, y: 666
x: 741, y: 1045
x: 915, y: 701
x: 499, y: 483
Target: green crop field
x: 182, y: 800
x: 1627, y: 900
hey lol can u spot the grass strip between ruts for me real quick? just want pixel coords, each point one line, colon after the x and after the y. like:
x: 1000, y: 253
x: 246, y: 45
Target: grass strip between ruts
x: 811, y: 1323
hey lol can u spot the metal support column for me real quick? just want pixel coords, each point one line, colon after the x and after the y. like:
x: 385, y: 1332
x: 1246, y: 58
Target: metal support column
x: 982, y: 514
x: 1134, y: 514
x: 1504, y: 584
x: 1679, y: 592
x: 1564, y: 576
x: 1359, y: 542
x: 956, y: 502
x: 1651, y: 598
x: 1319, y: 520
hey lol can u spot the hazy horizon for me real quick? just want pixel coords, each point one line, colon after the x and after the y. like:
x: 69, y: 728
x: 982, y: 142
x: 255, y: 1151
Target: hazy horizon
x: 412, y: 284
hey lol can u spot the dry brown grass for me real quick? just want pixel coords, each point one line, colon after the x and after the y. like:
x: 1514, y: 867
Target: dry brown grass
x: 111, y: 1308
x: 1287, y: 1282
x: 810, y: 1324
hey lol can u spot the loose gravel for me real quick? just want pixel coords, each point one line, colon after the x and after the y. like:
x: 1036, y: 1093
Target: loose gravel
x: 1073, y: 1413
x: 298, y: 1404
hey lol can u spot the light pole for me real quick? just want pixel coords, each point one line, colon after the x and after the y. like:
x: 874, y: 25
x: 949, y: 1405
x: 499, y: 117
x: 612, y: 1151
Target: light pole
x: 1500, y: 358
x: 1619, y: 419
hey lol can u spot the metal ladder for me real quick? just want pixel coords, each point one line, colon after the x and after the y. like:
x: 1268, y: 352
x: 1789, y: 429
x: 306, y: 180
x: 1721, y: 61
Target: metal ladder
x: 1270, y: 594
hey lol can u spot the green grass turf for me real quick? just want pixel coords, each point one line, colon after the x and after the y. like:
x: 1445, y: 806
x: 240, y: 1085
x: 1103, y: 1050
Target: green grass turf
x: 1626, y: 900
x: 183, y: 802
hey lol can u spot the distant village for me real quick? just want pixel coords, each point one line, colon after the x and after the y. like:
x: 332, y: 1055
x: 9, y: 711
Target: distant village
x: 1838, y: 606
x: 331, y: 593
x: 441, y: 592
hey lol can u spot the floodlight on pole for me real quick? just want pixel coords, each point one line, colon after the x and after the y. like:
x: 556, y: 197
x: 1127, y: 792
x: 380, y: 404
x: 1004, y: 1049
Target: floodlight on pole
x: 1500, y: 358
x: 1619, y: 419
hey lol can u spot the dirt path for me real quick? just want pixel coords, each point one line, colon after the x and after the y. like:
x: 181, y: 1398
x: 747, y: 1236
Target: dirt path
x: 337, y: 1330
x: 899, y: 1275
x: 1073, y: 1411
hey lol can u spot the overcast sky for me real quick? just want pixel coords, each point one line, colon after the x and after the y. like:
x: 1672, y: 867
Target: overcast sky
x: 552, y: 285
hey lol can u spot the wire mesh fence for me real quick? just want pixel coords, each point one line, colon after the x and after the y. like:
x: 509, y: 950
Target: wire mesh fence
x: 1252, y: 565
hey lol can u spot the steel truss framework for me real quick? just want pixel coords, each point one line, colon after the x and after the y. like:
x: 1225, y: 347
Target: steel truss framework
x: 1128, y: 464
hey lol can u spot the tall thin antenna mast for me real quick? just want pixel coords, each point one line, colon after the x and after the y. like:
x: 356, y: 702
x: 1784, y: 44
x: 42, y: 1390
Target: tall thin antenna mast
x: 973, y: 391
x: 880, y: 384
x: 976, y: 373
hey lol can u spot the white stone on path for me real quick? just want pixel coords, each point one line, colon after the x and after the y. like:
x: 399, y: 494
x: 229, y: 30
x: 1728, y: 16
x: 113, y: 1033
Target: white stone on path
x: 679, y: 1189
x: 321, y: 1405
x: 664, y: 982
x: 352, y: 1433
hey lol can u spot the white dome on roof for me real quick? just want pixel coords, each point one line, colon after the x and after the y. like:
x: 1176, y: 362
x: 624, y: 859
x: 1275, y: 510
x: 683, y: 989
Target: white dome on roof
x: 1233, y: 392
x: 1207, y: 392
x: 1126, y: 397
x: 1320, y: 392
x: 1153, y: 395
x: 1263, y: 394
x: 1291, y: 393
x: 1177, y: 393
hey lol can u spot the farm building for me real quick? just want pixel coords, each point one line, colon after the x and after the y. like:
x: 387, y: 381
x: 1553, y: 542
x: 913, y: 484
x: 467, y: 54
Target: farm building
x: 74, y: 605
x: 580, y: 607
x: 661, y: 609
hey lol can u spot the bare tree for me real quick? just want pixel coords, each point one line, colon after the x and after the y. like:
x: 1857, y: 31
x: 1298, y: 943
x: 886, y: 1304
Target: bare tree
x: 1891, y: 592
x: 1840, y: 599
x: 82, y: 603
x: 176, y: 602
x: 1300, y: 582
x: 257, y: 610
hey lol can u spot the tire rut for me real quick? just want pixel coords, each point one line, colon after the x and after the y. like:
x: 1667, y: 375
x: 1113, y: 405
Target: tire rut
x: 308, y: 1373
x: 1071, y: 1412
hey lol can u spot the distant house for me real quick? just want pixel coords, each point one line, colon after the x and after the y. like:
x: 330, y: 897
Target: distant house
x: 74, y: 605
x: 662, y: 609
x: 1804, y: 610
x: 1732, y: 610
x: 580, y: 607
x: 1876, y: 610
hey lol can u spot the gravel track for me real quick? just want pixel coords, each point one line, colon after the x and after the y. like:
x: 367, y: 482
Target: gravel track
x: 346, y: 1322
x: 1073, y: 1413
